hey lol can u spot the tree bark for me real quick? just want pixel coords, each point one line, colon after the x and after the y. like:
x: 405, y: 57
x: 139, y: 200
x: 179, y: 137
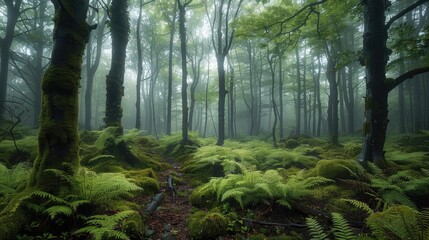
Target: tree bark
x: 139, y: 67
x: 183, y: 51
x: 170, y: 69
x: 58, y: 133
x: 298, y: 93
x: 120, y: 28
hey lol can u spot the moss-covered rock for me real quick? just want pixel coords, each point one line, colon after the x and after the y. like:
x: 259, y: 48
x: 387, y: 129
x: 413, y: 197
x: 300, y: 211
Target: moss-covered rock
x: 145, y: 179
x: 340, y: 169
x: 207, y: 225
x: 291, y: 143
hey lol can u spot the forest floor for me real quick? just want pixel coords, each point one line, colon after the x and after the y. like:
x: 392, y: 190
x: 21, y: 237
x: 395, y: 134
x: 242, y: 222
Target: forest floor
x: 169, y: 220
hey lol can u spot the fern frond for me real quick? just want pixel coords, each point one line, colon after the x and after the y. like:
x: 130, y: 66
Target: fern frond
x: 359, y: 205
x: 236, y: 194
x: 316, y: 230
x: 401, y: 177
x: 105, y: 227
x: 59, y: 210
x: 49, y: 197
x: 312, y: 182
x: 423, y: 222
x: 374, y: 169
x: 341, y: 228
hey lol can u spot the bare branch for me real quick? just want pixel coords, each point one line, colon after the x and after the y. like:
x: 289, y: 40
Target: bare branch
x: 410, y: 74
x: 403, y: 12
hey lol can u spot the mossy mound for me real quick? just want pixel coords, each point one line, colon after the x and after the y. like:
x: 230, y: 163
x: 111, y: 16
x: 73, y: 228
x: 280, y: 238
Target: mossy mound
x: 340, y: 169
x: 173, y: 145
x: 279, y: 158
x: 112, y: 151
x: 207, y: 225
x: 145, y: 179
x: 27, y: 150
x: 415, y: 143
x: 202, y: 197
x: 218, y: 161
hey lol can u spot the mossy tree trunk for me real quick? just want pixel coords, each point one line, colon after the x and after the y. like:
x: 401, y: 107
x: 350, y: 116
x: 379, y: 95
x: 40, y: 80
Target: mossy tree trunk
x: 120, y: 28
x: 58, y: 132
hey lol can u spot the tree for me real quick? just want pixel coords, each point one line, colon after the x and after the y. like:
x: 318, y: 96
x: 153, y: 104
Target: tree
x: 58, y: 133
x: 375, y: 58
x: 183, y: 51
x: 91, y: 68
x: 13, y: 12
x: 120, y: 28
x: 222, y: 41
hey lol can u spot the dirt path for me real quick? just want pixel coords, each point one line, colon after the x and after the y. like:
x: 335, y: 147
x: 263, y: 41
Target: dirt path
x: 169, y: 220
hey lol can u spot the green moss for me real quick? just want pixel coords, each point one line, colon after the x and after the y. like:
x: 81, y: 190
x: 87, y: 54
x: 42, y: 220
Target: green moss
x: 202, y: 197
x: 291, y: 143
x: 339, y: 169
x: 172, y: 145
x: 203, y: 225
x: 145, y: 179
x: 8, y: 153
x: 12, y: 223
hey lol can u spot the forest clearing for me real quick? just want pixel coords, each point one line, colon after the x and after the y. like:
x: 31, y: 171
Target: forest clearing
x: 214, y: 119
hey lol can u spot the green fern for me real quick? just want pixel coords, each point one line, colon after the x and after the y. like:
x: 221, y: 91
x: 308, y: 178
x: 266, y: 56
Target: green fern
x: 106, y: 227
x: 11, y: 179
x: 104, y: 187
x: 341, y: 228
x: 316, y: 230
x: 359, y: 205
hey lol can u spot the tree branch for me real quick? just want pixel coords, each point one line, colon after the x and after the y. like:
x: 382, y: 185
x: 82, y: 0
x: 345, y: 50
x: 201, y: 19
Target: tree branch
x: 403, y: 12
x: 410, y: 74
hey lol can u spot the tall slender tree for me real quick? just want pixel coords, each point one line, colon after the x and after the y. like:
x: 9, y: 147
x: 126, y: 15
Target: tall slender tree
x: 222, y: 37
x: 13, y: 11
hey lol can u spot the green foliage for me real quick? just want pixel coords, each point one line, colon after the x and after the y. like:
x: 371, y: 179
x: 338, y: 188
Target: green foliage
x: 316, y: 230
x: 203, y: 196
x: 359, y: 205
x: 340, y: 229
x: 13, y: 179
x: 106, y: 227
x: 219, y: 161
x: 252, y: 187
x: 8, y: 151
x: 279, y: 158
x: 145, y: 179
x: 103, y: 187
x: 398, y: 222
x: 203, y: 225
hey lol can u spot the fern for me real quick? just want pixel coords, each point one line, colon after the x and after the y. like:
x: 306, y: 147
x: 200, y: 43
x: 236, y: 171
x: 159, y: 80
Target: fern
x: 341, y: 228
x: 105, y: 227
x: 359, y: 205
x: 316, y: 230
x: 11, y: 179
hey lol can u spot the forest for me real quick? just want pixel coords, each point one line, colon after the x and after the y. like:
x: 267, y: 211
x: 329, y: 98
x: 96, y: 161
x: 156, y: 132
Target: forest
x: 214, y: 119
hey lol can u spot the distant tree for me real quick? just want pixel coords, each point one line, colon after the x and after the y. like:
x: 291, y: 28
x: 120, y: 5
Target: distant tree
x: 12, y: 15
x: 93, y: 58
x: 120, y: 28
x: 222, y: 36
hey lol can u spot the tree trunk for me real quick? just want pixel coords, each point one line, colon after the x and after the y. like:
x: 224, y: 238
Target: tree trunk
x: 281, y: 120
x: 273, y: 100
x: 13, y: 12
x: 139, y: 67
x: 170, y: 68
x: 221, y: 103
x: 182, y: 33
x: 58, y: 133
x: 298, y: 94
x: 92, y: 69
x: 333, y: 98
x: 120, y: 28
x: 375, y: 55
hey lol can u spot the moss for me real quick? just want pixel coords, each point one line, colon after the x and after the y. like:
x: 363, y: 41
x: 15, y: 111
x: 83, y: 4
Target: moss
x: 202, y: 197
x: 8, y: 153
x: 203, y: 225
x: 339, y: 169
x: 172, y: 145
x: 12, y: 223
x: 145, y: 179
x: 291, y: 143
